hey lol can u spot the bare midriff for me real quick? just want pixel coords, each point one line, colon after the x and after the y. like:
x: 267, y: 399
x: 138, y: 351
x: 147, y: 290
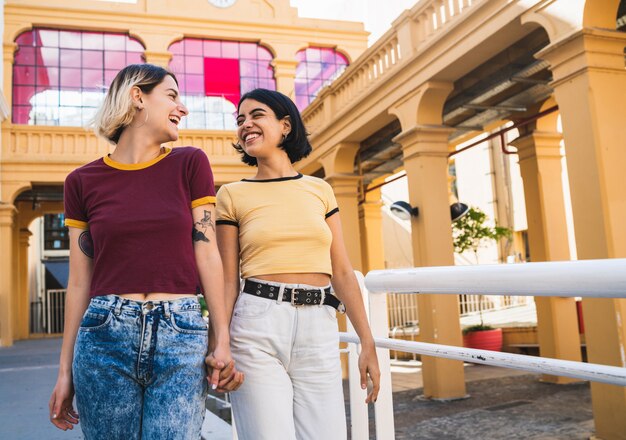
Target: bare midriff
x: 156, y: 296
x: 312, y: 279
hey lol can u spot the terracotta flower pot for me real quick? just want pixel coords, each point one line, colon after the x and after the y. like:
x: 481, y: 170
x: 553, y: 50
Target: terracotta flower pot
x: 484, y: 339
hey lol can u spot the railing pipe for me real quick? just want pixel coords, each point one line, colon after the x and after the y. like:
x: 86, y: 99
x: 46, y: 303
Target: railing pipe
x: 584, y: 278
x: 578, y: 370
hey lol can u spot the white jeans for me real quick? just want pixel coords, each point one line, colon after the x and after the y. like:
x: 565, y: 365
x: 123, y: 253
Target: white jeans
x: 290, y: 358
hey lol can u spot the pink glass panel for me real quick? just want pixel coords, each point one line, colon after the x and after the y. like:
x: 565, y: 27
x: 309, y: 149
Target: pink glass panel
x: 93, y: 40
x: 109, y: 75
x: 21, y: 114
x: 134, y: 58
x: 25, y: 39
x: 194, y: 84
x: 264, y: 54
x: 133, y: 45
x: 47, y: 37
x: 70, y: 77
x: 248, y: 51
x: 194, y: 65
x: 115, y: 42
x: 70, y: 39
x: 114, y: 60
x: 248, y: 68
x: 212, y: 49
x: 26, y: 55
x: 23, y: 94
x: 70, y: 58
x: 182, y: 79
x: 176, y: 48
x: 193, y: 46
x: 92, y: 59
x: 230, y: 49
x: 48, y: 76
x: 313, y: 54
x: 177, y: 64
x: 92, y: 78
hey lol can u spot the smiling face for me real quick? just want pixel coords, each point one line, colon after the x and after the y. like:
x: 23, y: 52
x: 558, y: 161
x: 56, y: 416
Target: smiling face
x: 259, y: 131
x: 161, y: 110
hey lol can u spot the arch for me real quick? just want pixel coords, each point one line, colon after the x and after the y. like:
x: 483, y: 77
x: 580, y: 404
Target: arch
x: 601, y: 13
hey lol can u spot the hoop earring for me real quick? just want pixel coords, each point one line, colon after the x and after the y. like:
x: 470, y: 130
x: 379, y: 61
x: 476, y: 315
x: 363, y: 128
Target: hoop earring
x: 144, y: 122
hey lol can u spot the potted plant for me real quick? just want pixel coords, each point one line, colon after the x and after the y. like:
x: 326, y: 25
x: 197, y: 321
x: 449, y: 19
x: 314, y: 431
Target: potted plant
x: 469, y: 233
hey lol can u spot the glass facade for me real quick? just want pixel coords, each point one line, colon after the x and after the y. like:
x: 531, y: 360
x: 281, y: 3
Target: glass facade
x: 317, y: 67
x: 59, y: 76
x: 213, y: 74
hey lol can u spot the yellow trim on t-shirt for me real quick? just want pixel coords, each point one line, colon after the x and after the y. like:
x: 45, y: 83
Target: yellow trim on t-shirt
x: 71, y: 223
x: 135, y: 166
x: 202, y: 201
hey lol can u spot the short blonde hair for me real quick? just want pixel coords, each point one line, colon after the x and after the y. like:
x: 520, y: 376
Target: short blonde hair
x: 117, y: 110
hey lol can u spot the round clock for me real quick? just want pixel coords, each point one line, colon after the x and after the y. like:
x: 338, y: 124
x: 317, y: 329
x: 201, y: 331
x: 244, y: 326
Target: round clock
x: 222, y: 3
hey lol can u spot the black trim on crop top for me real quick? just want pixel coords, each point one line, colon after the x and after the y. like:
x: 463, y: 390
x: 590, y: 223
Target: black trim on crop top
x: 278, y: 179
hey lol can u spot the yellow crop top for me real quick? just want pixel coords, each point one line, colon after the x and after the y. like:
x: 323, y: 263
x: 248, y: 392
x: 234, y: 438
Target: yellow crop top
x: 282, y: 224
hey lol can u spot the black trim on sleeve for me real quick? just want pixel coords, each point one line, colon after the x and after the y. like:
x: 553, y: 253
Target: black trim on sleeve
x: 334, y: 211
x: 226, y: 222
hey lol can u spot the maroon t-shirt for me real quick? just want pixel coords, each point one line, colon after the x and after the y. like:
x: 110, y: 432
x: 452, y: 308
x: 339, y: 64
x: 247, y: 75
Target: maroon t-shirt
x: 139, y: 217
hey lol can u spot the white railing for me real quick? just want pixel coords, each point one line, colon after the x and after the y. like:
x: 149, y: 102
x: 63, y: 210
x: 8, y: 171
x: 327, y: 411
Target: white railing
x: 589, y: 278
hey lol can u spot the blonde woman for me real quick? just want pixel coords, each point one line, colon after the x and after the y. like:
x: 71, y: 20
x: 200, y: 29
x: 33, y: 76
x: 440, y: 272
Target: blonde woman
x: 283, y: 230
x: 142, y: 240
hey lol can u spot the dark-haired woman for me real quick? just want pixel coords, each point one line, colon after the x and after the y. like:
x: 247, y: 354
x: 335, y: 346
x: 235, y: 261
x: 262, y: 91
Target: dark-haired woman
x: 135, y: 341
x: 283, y: 230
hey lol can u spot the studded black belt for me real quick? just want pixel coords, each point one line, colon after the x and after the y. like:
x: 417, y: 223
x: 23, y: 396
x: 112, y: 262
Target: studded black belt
x: 295, y: 296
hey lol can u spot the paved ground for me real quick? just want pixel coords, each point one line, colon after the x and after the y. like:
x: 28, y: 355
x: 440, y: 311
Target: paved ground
x: 503, y: 404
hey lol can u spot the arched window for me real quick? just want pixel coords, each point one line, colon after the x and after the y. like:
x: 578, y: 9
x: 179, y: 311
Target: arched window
x: 213, y: 74
x: 59, y: 76
x: 317, y: 67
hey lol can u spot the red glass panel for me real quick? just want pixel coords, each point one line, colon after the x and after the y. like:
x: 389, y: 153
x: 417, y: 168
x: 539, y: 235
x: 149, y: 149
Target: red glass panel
x: 24, y: 75
x: 92, y: 78
x: 70, y: 58
x: 133, y: 45
x: 23, y: 94
x: 194, y: 65
x: 193, y: 46
x: 21, y: 114
x: 26, y: 38
x: 49, y: 56
x: 26, y: 55
x: 114, y: 60
x: 222, y: 78
x: 69, y: 77
x: 134, y: 58
x: 93, y: 40
x: 47, y: 37
x: 230, y: 49
x: 248, y: 51
x: 70, y: 39
x: 212, y: 49
x: 194, y: 84
x: 264, y: 54
x: 115, y: 42
x: 93, y: 59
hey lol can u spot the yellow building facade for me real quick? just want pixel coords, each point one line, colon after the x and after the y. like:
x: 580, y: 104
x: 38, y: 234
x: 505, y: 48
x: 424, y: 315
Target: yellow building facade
x: 444, y: 72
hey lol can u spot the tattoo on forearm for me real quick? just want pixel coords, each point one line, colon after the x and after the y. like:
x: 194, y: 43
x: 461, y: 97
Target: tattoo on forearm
x: 85, y: 243
x: 201, y: 227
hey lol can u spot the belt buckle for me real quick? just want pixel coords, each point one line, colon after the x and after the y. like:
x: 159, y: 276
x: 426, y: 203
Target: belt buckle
x: 294, y: 293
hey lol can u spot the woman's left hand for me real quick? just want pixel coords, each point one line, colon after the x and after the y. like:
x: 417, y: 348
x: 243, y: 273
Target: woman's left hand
x: 368, y: 365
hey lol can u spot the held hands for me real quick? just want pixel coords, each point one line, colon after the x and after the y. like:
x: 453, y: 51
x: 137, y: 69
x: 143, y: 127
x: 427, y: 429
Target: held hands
x: 222, y: 374
x: 368, y: 365
x: 62, y: 414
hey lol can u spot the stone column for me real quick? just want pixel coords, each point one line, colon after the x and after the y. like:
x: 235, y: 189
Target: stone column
x: 371, y: 219
x: 21, y: 297
x: 425, y: 151
x: 589, y: 80
x: 540, y: 165
x: 7, y: 258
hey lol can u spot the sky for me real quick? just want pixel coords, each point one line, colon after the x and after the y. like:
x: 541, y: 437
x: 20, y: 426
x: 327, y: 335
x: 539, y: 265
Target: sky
x: 377, y: 15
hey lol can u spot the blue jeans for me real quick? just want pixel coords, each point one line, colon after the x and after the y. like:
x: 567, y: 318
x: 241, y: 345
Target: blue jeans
x: 139, y: 369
